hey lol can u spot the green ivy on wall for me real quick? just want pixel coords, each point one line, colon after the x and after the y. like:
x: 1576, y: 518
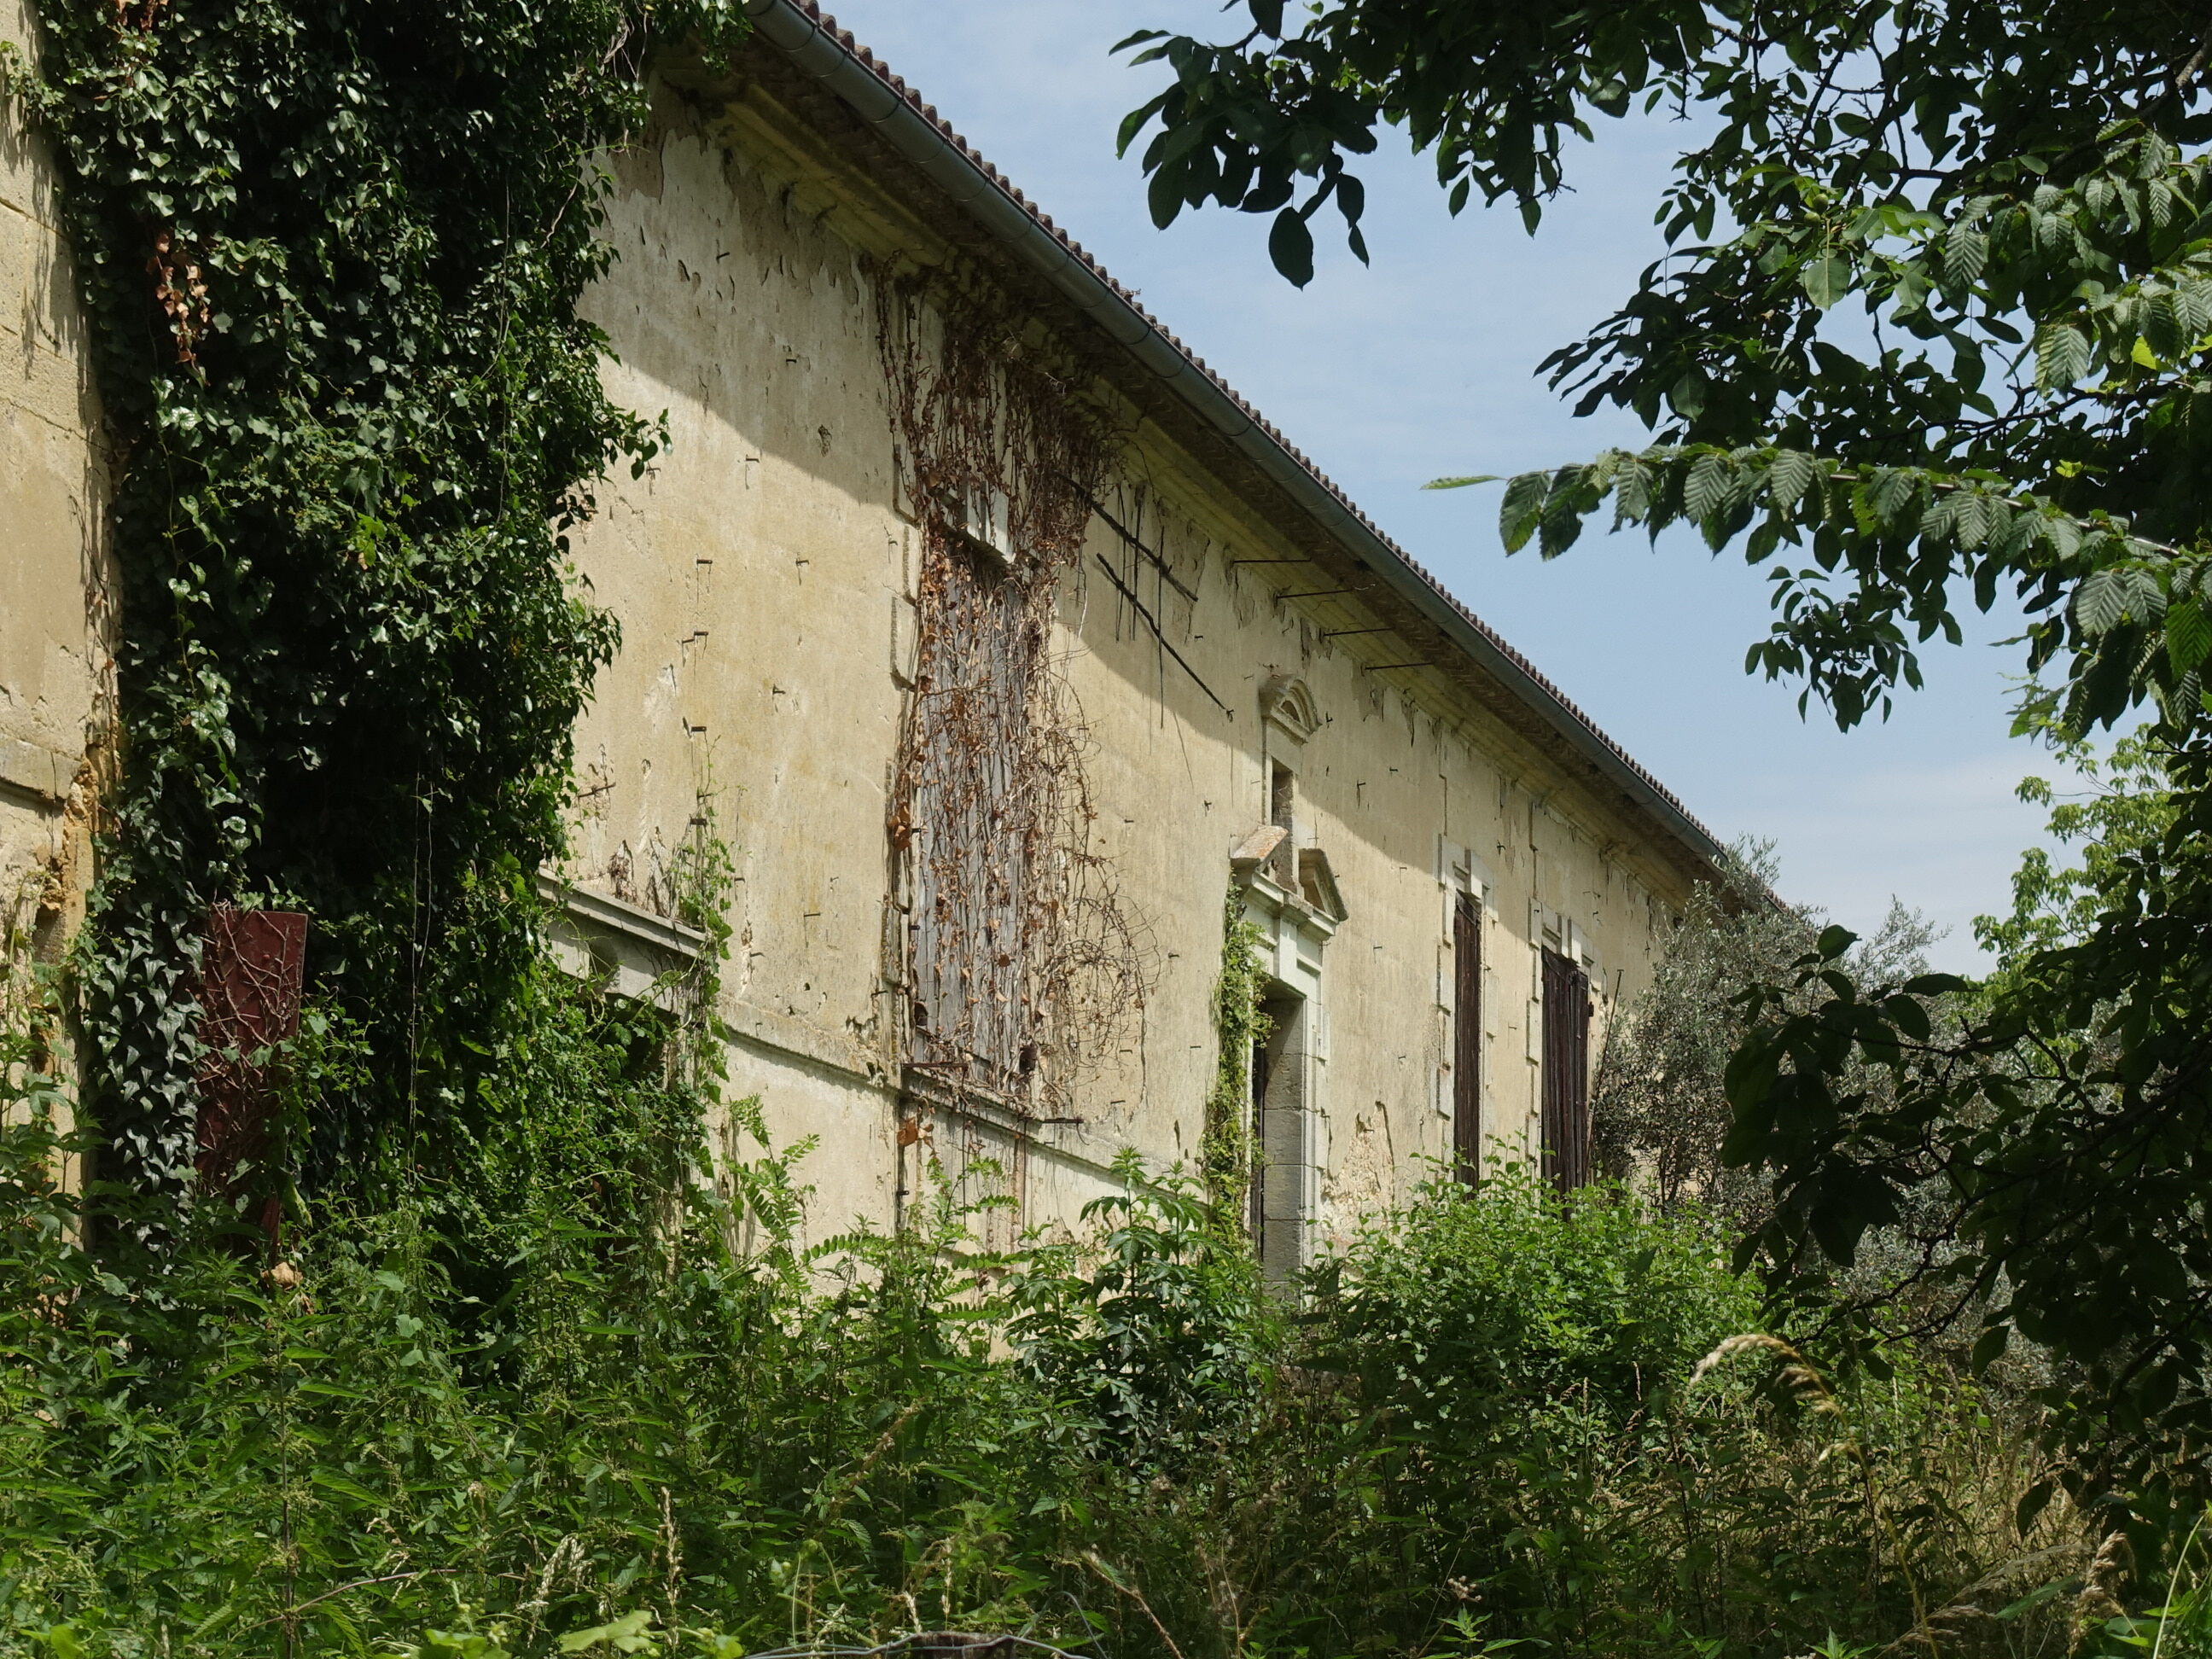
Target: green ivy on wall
x: 331, y: 256
x: 1231, y: 1150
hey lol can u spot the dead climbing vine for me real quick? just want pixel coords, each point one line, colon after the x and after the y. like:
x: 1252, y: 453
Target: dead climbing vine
x: 1019, y: 951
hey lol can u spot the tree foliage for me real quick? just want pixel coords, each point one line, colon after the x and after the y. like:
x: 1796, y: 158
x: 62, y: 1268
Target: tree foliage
x: 1934, y: 328
x: 1659, y: 1105
x: 2005, y: 195
x: 2118, y: 811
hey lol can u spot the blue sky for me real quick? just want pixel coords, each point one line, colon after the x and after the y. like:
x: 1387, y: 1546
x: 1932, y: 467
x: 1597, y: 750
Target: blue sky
x: 1424, y: 365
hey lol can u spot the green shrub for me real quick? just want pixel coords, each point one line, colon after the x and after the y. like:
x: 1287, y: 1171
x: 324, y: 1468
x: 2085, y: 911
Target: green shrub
x: 563, y: 1397
x: 1553, y: 1436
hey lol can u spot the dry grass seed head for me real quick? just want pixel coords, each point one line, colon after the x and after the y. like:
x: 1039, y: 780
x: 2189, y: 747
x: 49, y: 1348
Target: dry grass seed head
x: 1798, y: 1373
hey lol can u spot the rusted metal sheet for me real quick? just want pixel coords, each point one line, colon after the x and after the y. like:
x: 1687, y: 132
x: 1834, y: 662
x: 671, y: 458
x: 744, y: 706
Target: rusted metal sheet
x: 1467, y: 1037
x: 251, y: 968
x: 1566, y: 1073
x: 966, y: 1644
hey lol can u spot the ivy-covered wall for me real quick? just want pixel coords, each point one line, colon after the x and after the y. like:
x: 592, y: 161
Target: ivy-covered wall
x: 327, y: 261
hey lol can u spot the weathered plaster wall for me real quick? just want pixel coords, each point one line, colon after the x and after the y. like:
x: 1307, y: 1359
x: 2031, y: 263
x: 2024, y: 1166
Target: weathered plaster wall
x: 53, y: 662
x: 1393, y: 793
x: 764, y: 578
x: 757, y: 573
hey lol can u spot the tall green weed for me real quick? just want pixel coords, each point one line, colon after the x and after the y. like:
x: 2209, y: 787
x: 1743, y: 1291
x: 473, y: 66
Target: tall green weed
x: 566, y: 1390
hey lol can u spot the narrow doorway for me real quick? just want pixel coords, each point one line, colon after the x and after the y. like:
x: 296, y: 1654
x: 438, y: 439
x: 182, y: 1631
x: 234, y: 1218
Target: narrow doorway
x: 1282, y: 1174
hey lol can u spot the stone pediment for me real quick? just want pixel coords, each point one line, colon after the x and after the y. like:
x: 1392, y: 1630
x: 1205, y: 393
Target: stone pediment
x: 1317, y: 884
x: 1286, y: 701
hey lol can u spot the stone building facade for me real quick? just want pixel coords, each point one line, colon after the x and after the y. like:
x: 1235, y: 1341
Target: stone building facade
x: 54, y: 657
x: 1006, y: 651
x: 1263, y: 693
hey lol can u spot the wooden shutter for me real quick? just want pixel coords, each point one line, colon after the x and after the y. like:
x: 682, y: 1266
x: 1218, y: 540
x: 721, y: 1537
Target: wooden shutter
x: 1467, y: 1037
x: 974, y: 973
x: 1566, y: 1073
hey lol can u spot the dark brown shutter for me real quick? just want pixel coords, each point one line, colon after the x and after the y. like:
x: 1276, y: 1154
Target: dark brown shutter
x: 1566, y: 1073
x: 1467, y: 1037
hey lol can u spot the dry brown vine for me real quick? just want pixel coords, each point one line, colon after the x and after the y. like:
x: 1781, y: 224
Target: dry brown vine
x: 1020, y: 954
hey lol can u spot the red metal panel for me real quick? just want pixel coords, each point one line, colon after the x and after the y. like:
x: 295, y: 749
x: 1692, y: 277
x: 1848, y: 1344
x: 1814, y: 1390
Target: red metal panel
x: 249, y: 995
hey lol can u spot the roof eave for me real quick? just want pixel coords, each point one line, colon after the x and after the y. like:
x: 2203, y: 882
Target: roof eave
x: 931, y: 146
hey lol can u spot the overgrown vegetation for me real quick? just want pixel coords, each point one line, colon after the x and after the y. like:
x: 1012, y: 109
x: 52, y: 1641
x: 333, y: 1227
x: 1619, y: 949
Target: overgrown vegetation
x: 1023, y: 962
x: 1492, y: 1425
x: 536, y: 1372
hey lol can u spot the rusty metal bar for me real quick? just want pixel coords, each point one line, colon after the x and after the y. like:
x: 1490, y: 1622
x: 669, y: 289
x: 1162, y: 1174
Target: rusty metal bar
x: 1158, y: 633
x: 1129, y: 536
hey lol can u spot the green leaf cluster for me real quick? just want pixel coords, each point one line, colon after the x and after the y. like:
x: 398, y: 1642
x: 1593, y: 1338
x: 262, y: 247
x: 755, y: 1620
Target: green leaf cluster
x: 1885, y: 550
x: 1932, y: 333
